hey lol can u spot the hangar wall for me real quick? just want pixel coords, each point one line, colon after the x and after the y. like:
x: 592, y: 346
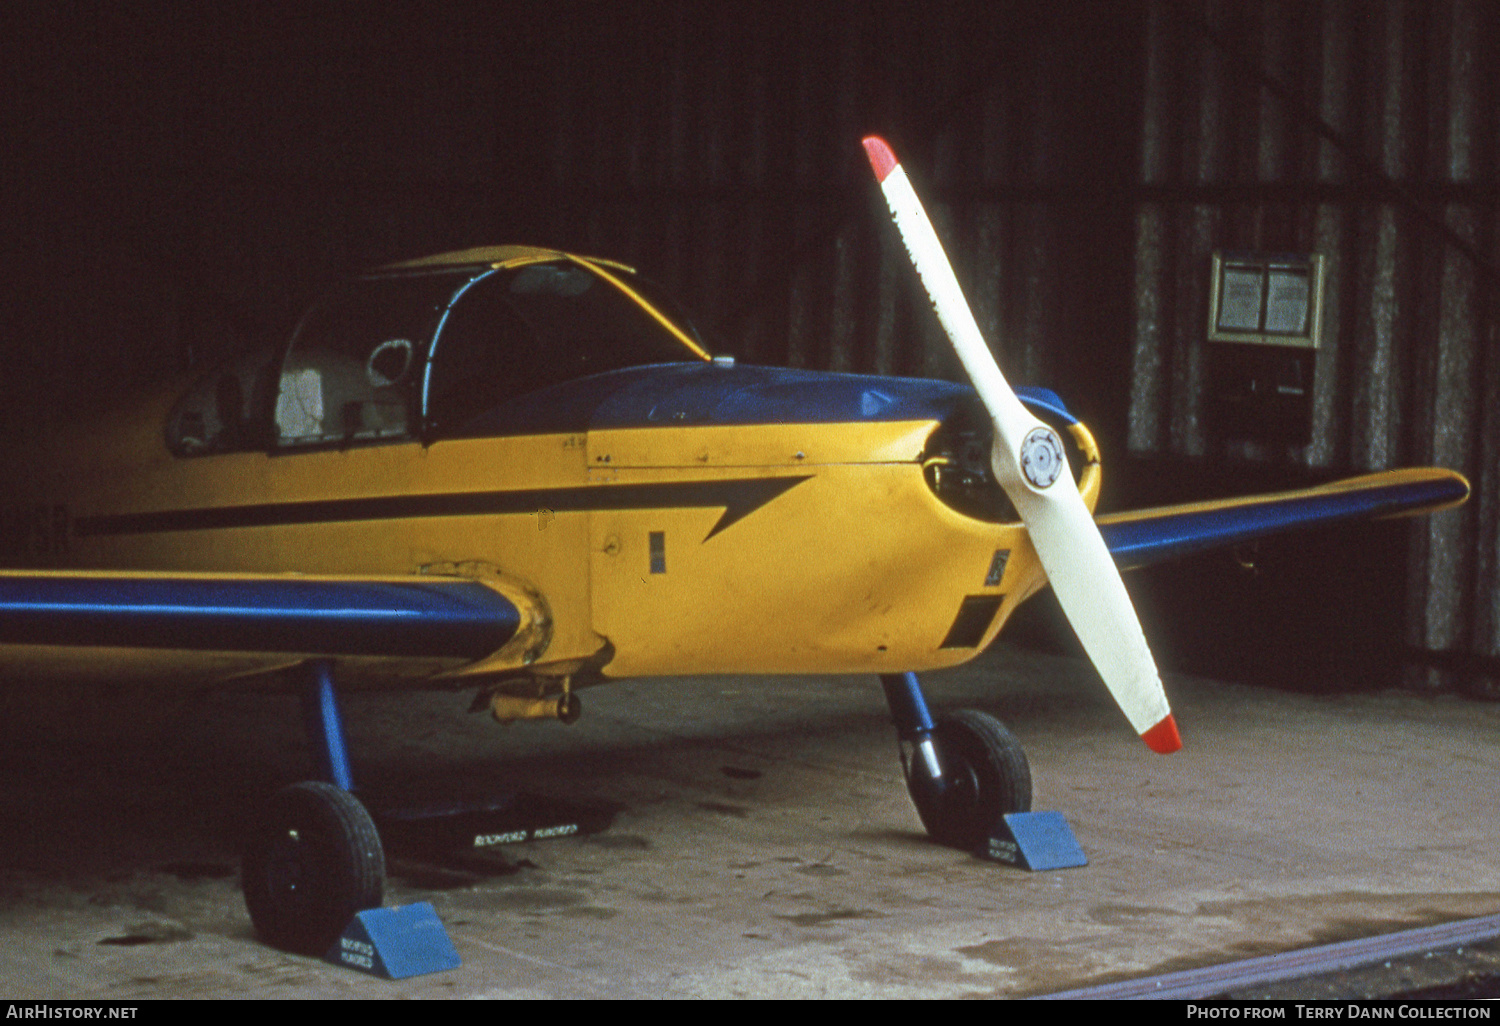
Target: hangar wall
x: 1365, y: 132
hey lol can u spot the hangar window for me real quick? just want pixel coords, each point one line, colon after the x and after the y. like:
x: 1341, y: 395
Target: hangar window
x: 355, y: 364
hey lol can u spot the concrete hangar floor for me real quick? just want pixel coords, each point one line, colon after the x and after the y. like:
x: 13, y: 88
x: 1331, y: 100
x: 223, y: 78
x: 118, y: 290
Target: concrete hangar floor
x: 760, y: 841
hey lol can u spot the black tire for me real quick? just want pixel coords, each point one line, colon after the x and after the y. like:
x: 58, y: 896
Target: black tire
x: 985, y: 776
x: 310, y: 863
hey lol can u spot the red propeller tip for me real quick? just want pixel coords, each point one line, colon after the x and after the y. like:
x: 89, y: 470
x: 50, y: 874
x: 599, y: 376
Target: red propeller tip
x: 1163, y: 737
x: 881, y: 157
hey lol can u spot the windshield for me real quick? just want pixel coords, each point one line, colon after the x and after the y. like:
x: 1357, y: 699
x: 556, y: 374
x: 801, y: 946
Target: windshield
x: 518, y: 330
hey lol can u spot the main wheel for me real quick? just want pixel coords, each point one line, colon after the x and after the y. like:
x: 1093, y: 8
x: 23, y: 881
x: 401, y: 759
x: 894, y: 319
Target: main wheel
x: 985, y: 776
x: 312, y: 861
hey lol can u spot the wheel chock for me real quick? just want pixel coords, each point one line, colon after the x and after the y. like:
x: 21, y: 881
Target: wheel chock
x: 394, y: 943
x: 1035, y: 841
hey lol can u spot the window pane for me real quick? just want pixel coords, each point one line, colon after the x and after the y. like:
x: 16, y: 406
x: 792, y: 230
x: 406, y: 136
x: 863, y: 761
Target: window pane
x: 225, y: 411
x: 354, y: 368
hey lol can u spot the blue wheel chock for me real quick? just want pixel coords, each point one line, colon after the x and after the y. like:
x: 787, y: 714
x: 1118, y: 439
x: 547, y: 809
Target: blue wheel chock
x: 394, y: 943
x: 1035, y: 841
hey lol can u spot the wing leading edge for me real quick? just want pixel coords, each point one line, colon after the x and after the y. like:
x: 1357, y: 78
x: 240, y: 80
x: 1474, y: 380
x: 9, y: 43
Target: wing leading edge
x: 416, y: 616
x: 1141, y: 537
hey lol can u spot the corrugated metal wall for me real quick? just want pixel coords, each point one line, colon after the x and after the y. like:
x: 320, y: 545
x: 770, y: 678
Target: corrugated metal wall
x: 1364, y: 132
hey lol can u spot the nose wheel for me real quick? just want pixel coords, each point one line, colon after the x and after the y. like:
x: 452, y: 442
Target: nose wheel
x: 984, y: 774
x: 964, y: 772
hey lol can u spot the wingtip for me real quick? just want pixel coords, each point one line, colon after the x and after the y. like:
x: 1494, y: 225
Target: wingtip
x: 1163, y: 737
x: 882, y: 159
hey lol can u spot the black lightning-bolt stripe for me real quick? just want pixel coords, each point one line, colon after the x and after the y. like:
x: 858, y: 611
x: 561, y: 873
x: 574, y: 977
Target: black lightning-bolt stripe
x: 738, y: 498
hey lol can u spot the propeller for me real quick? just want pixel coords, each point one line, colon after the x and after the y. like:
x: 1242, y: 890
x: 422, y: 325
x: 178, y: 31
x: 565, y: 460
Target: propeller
x: 1028, y: 460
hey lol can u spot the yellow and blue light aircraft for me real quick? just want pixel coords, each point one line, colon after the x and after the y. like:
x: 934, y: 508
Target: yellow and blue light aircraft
x: 520, y: 471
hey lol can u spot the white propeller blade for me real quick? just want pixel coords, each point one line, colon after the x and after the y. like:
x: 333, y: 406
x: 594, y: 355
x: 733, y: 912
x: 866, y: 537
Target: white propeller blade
x: 1028, y: 458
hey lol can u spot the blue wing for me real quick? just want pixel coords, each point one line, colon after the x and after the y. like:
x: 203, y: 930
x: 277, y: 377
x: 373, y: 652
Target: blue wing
x: 1142, y: 537
x: 416, y: 616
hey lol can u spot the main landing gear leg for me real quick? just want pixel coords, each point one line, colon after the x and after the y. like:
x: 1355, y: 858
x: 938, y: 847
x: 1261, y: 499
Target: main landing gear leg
x: 325, y: 724
x: 964, y: 770
x: 313, y: 858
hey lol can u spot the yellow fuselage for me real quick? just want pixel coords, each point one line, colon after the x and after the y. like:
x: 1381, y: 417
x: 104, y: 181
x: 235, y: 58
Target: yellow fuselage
x: 846, y: 562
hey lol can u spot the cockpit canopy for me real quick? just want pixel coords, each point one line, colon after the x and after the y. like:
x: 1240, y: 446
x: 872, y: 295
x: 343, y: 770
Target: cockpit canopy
x: 423, y: 350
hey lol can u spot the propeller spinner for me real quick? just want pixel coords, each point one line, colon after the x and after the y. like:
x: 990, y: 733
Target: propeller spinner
x: 1028, y: 460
